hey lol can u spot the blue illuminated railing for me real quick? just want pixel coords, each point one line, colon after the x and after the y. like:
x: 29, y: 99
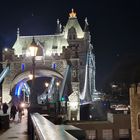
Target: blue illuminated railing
x: 4, y: 73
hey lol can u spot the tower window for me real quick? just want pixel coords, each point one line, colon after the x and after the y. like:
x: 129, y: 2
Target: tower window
x: 54, y: 66
x: 70, y: 37
x: 54, y: 47
x: 74, y: 37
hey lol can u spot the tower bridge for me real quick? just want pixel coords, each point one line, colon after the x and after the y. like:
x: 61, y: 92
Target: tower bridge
x: 67, y: 56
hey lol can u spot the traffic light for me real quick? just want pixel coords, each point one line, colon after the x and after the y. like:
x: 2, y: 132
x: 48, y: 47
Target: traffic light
x: 62, y: 99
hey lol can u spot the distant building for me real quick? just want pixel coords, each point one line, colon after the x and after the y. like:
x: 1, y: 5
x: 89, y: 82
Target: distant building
x: 135, y: 111
x: 116, y: 127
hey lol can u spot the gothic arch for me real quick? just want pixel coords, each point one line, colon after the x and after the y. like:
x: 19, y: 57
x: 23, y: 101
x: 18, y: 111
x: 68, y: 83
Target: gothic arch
x: 38, y: 73
x: 72, y: 35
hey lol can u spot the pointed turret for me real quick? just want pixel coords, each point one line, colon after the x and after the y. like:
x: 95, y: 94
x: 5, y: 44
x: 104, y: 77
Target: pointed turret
x: 72, y: 14
x: 74, y: 25
x: 86, y: 31
x: 58, y: 27
x: 18, y: 33
x: 86, y: 28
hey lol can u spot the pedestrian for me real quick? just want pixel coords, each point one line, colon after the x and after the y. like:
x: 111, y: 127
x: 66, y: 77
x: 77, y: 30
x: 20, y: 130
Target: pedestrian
x: 5, y: 108
x: 13, y: 112
x: 20, y: 111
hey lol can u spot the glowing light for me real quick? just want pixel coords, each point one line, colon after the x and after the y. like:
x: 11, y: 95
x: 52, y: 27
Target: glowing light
x: 22, y: 66
x: 114, y: 86
x: 46, y: 84
x: 22, y: 105
x: 18, y: 88
x: 73, y: 119
x: 57, y: 84
x: 72, y: 14
x: 90, y: 116
x: 54, y: 66
x: 6, y: 49
x: 33, y: 48
x: 30, y: 76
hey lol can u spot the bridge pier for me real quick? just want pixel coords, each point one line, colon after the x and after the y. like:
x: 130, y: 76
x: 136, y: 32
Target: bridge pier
x: 74, y: 103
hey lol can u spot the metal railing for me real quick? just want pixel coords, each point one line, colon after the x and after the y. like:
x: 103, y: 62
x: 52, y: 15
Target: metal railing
x: 42, y: 129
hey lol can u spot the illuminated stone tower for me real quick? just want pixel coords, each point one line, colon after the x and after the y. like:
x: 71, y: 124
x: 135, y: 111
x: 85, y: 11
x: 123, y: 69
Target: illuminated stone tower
x: 70, y: 45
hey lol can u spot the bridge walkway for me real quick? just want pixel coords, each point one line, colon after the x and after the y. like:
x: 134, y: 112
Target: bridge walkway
x: 17, y: 131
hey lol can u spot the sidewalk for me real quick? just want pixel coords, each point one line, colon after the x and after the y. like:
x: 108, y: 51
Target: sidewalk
x: 17, y: 130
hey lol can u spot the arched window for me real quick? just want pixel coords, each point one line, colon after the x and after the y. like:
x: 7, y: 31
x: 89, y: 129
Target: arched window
x: 72, y: 35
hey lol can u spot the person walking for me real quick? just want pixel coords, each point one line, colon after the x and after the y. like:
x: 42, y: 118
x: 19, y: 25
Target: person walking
x: 20, y: 111
x: 5, y: 108
x: 13, y: 112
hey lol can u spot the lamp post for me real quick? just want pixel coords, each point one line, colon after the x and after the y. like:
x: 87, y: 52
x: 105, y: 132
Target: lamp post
x: 33, y: 48
x: 33, y: 51
x: 46, y: 91
x: 57, y: 98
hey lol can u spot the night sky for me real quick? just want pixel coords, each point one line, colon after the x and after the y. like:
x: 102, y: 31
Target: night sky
x: 114, y: 26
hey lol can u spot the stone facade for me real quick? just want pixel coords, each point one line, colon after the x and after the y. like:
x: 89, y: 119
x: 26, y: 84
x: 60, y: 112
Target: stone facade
x: 135, y: 111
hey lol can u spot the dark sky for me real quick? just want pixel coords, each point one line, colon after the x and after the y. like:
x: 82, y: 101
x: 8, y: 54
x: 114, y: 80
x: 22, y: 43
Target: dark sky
x: 114, y: 26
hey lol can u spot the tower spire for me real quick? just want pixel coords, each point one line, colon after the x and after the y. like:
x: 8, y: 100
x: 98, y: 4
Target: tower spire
x: 58, y: 27
x: 72, y: 14
x: 86, y: 29
x: 18, y: 33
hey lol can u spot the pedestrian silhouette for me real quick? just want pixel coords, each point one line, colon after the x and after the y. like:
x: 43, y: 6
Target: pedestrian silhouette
x: 13, y: 112
x: 20, y: 111
x: 5, y: 108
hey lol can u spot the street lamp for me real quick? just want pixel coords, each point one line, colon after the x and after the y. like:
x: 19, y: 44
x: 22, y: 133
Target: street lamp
x: 47, y: 84
x: 33, y: 51
x: 33, y: 48
x: 57, y: 98
x: 46, y: 91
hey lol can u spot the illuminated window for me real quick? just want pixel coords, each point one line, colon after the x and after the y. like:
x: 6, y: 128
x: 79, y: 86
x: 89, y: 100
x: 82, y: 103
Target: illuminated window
x: 91, y: 134
x: 54, y: 66
x: 22, y: 67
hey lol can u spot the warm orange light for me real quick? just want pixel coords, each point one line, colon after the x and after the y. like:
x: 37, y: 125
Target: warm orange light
x: 33, y: 48
x: 72, y: 14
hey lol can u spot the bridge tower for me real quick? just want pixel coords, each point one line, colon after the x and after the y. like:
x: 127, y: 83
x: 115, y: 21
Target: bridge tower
x: 68, y: 46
